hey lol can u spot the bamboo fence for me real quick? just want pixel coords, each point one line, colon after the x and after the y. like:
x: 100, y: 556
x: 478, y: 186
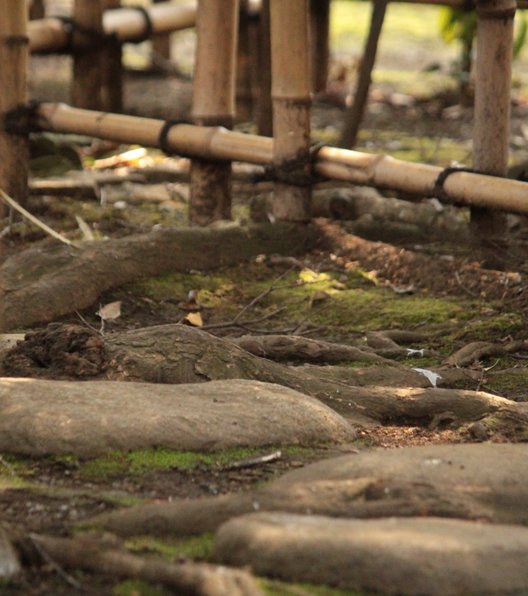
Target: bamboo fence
x: 462, y: 188
x: 126, y: 24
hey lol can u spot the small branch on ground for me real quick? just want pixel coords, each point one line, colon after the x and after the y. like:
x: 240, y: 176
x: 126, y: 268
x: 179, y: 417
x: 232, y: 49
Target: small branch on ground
x: 253, y: 461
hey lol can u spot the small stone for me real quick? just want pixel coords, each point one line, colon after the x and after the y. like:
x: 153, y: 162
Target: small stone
x: 478, y: 431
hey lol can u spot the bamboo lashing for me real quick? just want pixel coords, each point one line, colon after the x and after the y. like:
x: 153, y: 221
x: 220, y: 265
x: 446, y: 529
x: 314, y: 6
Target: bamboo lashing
x: 125, y: 24
x: 463, y: 188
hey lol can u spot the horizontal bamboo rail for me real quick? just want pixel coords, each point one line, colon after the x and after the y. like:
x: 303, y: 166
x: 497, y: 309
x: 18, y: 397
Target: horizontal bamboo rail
x: 51, y: 34
x: 463, y: 188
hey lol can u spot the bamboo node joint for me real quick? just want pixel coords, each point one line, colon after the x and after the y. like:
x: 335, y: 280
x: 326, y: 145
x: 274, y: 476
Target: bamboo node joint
x: 92, y: 35
x: 14, y: 41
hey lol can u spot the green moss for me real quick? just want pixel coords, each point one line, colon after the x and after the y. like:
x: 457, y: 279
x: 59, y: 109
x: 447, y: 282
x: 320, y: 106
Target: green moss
x: 277, y: 588
x: 138, y: 587
x: 197, y: 548
x: 210, y: 288
x: 494, y: 327
x: 370, y: 309
x: 150, y: 460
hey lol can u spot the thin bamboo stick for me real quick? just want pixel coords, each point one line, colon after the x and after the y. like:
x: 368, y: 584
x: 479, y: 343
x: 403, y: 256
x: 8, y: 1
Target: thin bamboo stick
x: 50, y: 35
x: 491, y: 134
x: 88, y: 73
x: 213, y: 105
x: 13, y: 81
x: 291, y: 97
x: 463, y: 188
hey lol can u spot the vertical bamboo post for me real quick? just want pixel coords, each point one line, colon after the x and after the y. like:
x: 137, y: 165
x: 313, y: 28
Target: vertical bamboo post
x: 354, y: 115
x: 244, y: 96
x: 37, y: 10
x: 88, y: 79
x: 213, y: 105
x: 14, y: 49
x: 491, y: 133
x: 112, y: 92
x: 319, y: 32
x: 264, y: 111
x: 161, y: 45
x: 291, y: 85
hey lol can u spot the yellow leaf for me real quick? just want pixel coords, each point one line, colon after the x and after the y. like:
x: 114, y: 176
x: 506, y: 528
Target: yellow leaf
x: 194, y: 319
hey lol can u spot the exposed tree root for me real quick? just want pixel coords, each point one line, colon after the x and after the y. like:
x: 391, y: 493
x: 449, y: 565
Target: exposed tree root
x: 197, y: 579
x: 478, y: 350
x: 477, y: 482
x: 39, y: 285
x: 181, y: 354
x: 294, y: 347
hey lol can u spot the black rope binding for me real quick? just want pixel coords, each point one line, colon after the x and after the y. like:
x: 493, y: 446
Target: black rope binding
x: 71, y: 26
x: 149, y: 26
x: 163, y: 137
x: 438, y: 187
x: 292, y: 171
x: 23, y: 119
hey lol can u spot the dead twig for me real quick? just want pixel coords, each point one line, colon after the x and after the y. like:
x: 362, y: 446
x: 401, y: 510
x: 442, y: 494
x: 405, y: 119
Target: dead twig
x: 252, y: 462
x: 463, y: 287
x: 34, y: 220
x: 53, y: 564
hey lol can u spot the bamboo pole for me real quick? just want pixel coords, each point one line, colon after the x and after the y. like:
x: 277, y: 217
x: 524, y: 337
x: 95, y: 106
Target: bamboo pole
x: 213, y: 105
x: 113, y: 70
x: 463, y: 188
x: 291, y: 86
x: 354, y: 115
x: 37, y: 10
x: 161, y: 46
x: 50, y: 35
x: 14, y: 152
x: 244, y: 94
x: 88, y: 73
x: 264, y: 111
x: 491, y: 132
x: 319, y: 32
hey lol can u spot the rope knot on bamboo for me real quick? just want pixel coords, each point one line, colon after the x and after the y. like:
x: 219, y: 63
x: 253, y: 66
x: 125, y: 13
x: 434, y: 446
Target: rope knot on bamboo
x: 163, y: 136
x: 93, y: 36
x: 438, y: 186
x: 297, y: 171
x: 148, y: 30
x: 23, y: 119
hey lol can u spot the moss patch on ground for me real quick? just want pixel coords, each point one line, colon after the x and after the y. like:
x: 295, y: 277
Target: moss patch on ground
x: 197, y: 548
x: 150, y: 460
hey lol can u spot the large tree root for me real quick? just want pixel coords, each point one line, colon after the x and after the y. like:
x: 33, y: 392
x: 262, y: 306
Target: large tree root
x: 181, y: 354
x: 40, y: 284
x: 476, y: 482
x: 196, y: 579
